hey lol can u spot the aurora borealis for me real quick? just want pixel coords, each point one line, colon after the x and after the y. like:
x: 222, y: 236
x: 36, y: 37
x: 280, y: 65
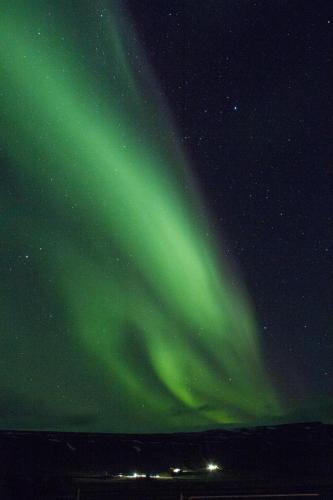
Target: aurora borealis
x: 119, y: 312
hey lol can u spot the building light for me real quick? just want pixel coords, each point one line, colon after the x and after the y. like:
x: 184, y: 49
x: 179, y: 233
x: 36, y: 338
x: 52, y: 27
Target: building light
x: 212, y: 467
x: 136, y: 475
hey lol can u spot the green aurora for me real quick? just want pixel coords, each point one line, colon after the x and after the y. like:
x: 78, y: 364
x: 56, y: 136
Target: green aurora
x: 118, y: 312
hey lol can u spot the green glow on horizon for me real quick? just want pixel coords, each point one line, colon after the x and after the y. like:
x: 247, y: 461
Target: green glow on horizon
x: 124, y: 310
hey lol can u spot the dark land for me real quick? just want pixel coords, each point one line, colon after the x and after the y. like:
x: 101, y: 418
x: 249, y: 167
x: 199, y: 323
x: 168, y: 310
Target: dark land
x: 293, y: 459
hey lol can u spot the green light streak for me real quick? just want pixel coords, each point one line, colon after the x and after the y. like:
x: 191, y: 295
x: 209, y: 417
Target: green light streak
x: 148, y: 332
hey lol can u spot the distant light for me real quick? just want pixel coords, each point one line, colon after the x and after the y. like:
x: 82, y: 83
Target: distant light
x: 212, y: 467
x: 136, y: 475
x: 176, y: 470
x: 155, y: 476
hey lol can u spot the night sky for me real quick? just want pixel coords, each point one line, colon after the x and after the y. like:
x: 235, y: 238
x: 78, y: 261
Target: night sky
x: 249, y: 84
x: 166, y: 240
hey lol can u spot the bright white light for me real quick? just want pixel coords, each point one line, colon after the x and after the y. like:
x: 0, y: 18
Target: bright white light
x: 212, y: 467
x: 176, y: 470
x: 135, y: 475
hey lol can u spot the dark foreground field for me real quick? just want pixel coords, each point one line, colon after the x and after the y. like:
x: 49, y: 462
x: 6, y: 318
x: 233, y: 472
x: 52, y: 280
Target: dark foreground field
x: 286, y: 461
